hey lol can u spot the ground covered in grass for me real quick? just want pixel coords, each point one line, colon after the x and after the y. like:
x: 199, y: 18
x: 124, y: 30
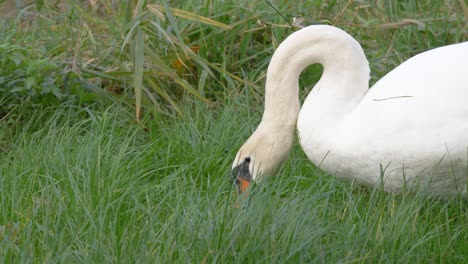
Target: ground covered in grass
x: 119, y: 121
x: 87, y: 186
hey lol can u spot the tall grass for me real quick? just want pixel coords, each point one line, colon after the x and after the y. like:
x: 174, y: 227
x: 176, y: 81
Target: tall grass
x: 154, y: 52
x: 89, y: 184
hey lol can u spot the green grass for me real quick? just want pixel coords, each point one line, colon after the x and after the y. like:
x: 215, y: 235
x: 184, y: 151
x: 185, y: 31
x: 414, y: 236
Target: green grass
x: 153, y: 56
x: 87, y: 186
x: 82, y: 182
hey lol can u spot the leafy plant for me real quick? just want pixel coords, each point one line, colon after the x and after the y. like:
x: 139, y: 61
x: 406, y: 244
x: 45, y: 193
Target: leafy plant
x: 151, y: 54
x: 25, y: 75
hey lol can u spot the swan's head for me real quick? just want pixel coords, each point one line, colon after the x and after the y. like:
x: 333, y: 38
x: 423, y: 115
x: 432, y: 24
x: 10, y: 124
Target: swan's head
x: 261, y: 155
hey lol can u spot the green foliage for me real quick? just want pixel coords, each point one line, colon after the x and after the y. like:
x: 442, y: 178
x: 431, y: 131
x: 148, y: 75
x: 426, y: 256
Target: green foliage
x: 153, y: 53
x: 90, y: 187
x: 25, y: 76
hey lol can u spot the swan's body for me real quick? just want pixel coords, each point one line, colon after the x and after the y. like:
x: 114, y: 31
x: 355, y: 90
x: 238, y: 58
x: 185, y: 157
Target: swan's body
x: 410, y: 129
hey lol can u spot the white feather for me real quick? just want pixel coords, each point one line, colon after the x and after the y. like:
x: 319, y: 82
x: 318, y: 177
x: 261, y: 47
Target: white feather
x: 410, y: 129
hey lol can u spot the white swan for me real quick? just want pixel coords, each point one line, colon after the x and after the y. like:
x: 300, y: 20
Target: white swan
x: 410, y: 129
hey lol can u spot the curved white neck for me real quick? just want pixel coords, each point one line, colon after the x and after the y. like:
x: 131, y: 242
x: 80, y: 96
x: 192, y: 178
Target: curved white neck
x: 343, y: 84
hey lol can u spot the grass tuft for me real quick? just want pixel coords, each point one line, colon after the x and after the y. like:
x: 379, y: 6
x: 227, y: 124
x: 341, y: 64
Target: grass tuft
x: 87, y: 186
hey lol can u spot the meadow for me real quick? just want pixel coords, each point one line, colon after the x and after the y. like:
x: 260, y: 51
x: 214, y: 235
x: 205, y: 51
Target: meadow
x: 119, y: 121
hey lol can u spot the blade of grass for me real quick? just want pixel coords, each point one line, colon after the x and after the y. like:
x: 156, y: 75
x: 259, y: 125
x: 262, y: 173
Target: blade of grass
x: 138, y: 8
x: 173, y: 23
x: 162, y: 66
x: 157, y: 9
x: 129, y: 35
x: 164, y: 95
x: 139, y: 57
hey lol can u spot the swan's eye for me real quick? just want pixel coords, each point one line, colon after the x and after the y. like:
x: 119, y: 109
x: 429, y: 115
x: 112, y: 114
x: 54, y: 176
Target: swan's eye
x: 247, y: 160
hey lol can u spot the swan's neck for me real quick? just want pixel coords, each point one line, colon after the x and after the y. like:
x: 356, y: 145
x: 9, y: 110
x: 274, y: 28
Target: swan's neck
x: 343, y: 84
x: 341, y: 87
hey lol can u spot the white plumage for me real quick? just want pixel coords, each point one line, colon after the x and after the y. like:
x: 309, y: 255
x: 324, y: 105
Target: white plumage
x: 410, y: 129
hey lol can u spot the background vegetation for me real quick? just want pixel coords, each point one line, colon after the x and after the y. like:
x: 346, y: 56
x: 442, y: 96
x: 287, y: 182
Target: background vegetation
x: 119, y: 121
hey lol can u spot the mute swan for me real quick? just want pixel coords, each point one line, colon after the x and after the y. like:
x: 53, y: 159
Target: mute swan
x: 410, y: 130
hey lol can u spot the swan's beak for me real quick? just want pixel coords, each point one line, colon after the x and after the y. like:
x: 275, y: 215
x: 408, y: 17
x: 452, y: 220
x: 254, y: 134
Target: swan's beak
x: 241, y: 176
x: 242, y: 184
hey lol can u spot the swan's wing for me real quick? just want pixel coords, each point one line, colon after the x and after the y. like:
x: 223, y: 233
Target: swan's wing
x: 439, y: 71
x: 424, y: 101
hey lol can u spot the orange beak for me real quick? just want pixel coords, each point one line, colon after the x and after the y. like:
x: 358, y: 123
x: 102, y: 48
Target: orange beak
x: 242, y: 184
x: 242, y: 178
